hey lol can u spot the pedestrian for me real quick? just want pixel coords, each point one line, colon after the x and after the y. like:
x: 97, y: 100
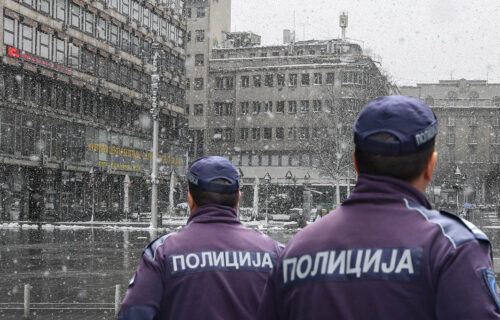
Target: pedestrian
x: 214, y: 268
x: 385, y: 253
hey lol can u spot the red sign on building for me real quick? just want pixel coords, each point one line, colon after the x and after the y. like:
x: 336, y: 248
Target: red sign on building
x: 16, y: 53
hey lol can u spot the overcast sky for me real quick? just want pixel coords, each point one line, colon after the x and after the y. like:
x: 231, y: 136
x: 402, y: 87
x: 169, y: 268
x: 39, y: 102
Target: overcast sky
x: 417, y: 41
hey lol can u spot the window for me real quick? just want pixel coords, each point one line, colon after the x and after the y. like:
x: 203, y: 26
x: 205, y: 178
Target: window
x: 198, y: 109
x: 218, y: 106
x: 257, y: 81
x: 292, y: 80
x: 263, y: 54
x: 244, y: 134
x: 44, y: 45
x: 136, y: 14
x: 304, y: 106
x: 73, y: 56
x: 113, y: 4
x: 60, y: 11
x: 88, y: 61
x: 102, y: 67
x: 494, y: 102
x: 255, y: 133
x: 316, y: 105
x: 59, y: 49
x: 318, y: 78
x: 27, y: 38
x: 280, y: 106
x: 75, y: 16
x: 154, y: 23
x: 495, y: 121
x: 451, y: 121
x: 136, y: 45
x: 304, y: 133
x: 450, y: 138
x: 29, y: 3
x: 199, y: 59
x: 200, y: 35
x: 113, y: 34
x: 269, y: 80
x: 245, y: 107
x: 126, y: 7
x: 429, y: 101
x: 145, y: 17
x: 9, y: 31
x: 305, y: 80
x: 280, y: 78
x: 187, y: 12
x: 101, y: 28
x: 136, y: 82
x: 292, y: 106
x: 114, y: 73
x: 330, y: 78
x: 200, y: 12
x: 125, y: 40
x: 198, y: 84
x: 292, y: 133
x: 268, y: 133
x: 44, y: 6
x: 245, y: 81
x: 89, y: 22
x: 268, y: 106
x: 224, y: 83
x: 280, y: 133
x: 256, y: 107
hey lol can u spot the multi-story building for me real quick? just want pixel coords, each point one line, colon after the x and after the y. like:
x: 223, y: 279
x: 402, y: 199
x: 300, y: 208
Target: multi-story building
x: 75, y: 100
x: 207, y: 21
x: 288, y: 110
x: 468, y: 144
x: 271, y: 109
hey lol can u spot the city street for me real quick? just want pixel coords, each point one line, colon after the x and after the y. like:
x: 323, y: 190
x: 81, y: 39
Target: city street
x: 74, y: 269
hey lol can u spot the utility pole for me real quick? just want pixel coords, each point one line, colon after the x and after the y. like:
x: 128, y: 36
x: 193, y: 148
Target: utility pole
x: 155, y: 79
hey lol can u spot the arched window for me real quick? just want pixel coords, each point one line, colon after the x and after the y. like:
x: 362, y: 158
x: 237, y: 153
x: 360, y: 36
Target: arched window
x: 429, y: 101
x: 452, y: 98
x: 473, y: 98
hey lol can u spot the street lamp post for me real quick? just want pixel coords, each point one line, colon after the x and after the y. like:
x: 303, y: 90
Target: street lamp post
x: 92, y: 179
x: 289, y: 176
x: 267, y: 180
x: 155, y: 79
x: 458, y: 187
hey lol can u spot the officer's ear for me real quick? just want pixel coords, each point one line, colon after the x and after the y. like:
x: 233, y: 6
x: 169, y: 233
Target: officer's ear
x: 191, y: 203
x: 237, y: 202
x: 355, y: 163
x: 429, y: 168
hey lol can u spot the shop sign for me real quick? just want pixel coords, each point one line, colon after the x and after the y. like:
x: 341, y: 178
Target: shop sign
x: 21, y: 55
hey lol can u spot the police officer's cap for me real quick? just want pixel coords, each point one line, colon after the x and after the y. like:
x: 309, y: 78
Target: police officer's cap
x: 409, y: 120
x: 204, y: 171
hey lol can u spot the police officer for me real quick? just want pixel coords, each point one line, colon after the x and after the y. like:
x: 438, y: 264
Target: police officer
x: 214, y: 268
x: 385, y: 253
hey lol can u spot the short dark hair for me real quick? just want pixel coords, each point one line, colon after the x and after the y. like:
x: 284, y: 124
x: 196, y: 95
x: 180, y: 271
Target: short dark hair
x: 405, y: 167
x: 202, y: 198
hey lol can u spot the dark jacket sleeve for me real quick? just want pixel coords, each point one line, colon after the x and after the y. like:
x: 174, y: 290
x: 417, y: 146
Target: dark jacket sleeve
x: 144, y: 295
x: 462, y: 289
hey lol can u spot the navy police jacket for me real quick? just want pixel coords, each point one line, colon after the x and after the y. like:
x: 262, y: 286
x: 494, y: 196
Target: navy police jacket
x: 384, y: 254
x: 214, y: 268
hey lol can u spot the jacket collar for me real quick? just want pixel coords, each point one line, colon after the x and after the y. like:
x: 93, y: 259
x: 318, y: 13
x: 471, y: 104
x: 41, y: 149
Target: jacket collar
x: 214, y: 213
x: 374, y: 188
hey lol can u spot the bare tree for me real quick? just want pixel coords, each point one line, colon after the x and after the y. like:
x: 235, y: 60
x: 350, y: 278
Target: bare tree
x: 332, y: 144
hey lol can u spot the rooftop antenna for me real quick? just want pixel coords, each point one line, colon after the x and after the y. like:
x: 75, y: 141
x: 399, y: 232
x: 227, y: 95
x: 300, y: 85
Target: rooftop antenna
x: 343, y: 22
